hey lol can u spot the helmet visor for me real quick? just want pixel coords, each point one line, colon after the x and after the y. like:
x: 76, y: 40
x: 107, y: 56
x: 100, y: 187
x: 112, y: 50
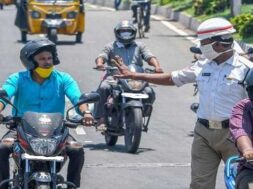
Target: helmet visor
x: 126, y: 35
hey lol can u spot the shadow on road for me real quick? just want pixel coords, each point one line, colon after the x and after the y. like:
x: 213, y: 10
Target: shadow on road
x: 116, y: 148
x: 174, y: 36
x: 61, y: 43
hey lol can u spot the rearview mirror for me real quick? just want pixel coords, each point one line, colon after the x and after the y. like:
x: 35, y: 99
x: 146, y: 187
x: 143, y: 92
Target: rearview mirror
x: 250, y: 50
x: 195, y: 50
x: 4, y: 97
x: 3, y: 94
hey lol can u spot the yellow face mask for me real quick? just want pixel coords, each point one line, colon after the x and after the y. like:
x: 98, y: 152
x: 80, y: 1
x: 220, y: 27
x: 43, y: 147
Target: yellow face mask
x: 44, y: 72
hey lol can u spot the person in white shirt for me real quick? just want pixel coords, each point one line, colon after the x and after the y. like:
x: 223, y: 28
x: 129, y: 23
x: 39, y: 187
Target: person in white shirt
x: 220, y: 77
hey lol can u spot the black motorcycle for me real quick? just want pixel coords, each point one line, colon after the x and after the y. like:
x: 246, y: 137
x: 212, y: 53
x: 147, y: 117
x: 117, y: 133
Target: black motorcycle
x: 39, y: 150
x: 126, y: 113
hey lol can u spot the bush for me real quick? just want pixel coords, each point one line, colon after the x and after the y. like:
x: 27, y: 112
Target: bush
x: 209, y: 6
x: 217, y: 6
x: 247, y: 1
x: 164, y: 2
x: 199, y: 6
x: 247, y: 28
x: 240, y: 20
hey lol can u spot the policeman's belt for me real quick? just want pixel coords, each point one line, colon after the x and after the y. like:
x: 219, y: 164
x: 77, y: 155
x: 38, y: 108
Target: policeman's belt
x: 214, y: 124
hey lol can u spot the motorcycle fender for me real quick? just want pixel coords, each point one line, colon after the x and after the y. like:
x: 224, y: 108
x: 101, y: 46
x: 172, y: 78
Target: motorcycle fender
x: 41, y: 177
x: 53, y: 23
x: 132, y: 103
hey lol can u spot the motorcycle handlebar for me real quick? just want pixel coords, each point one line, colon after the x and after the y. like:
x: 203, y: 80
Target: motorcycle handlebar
x: 106, y: 68
x: 148, y: 70
x: 244, y: 160
x: 70, y: 124
x: 11, y: 121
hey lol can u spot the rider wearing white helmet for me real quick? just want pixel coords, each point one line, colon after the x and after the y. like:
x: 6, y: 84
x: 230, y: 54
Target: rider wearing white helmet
x: 219, y: 78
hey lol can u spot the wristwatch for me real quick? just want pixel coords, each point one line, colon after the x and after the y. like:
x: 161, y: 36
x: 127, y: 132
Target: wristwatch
x: 86, y: 112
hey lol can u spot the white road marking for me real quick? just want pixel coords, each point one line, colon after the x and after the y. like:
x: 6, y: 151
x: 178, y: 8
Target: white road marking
x: 88, y: 141
x: 80, y: 130
x: 137, y: 165
x: 175, y: 29
x: 104, y: 8
x: 161, y: 19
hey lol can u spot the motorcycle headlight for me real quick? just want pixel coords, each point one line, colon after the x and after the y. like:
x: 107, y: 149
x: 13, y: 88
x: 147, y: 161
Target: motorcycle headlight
x: 135, y: 84
x: 35, y: 14
x: 71, y: 15
x: 43, y: 146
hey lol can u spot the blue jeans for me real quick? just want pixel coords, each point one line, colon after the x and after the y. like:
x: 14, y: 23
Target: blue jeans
x: 147, y: 7
x: 117, y: 4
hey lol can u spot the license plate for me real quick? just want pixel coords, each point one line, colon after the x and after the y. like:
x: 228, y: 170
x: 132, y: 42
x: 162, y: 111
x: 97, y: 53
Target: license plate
x: 135, y: 95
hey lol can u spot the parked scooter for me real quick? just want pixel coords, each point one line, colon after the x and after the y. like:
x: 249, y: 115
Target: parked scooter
x: 230, y: 170
x: 126, y: 113
x: 39, y: 150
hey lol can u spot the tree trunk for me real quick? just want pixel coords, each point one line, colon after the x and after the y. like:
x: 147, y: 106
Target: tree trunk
x: 235, y: 7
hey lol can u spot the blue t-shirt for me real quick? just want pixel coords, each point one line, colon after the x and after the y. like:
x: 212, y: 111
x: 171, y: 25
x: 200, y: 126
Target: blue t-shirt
x: 48, y: 97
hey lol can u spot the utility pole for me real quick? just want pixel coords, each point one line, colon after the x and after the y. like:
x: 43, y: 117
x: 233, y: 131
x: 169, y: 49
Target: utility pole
x: 235, y: 7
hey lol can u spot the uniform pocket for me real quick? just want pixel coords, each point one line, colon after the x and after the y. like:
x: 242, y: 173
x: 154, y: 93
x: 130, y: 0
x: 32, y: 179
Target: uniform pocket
x: 228, y: 86
x: 203, y: 83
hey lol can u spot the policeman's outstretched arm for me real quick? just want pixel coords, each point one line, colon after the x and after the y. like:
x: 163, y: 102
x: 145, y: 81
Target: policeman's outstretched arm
x: 159, y: 78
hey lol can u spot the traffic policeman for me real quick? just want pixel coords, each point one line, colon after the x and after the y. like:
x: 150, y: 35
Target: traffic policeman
x: 220, y: 79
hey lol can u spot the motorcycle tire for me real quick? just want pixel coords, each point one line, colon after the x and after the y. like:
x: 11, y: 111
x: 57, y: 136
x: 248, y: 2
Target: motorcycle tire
x: 110, y: 140
x: 79, y: 37
x: 52, y: 35
x: 134, y: 123
x: 140, y: 23
x: 43, y: 186
x: 23, y: 36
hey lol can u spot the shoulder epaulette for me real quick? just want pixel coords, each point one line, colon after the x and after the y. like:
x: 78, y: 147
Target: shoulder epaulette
x: 245, y: 61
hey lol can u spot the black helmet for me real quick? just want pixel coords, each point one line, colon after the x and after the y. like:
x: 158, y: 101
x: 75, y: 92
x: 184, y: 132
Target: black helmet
x: 125, y: 26
x: 249, y: 83
x: 35, y: 47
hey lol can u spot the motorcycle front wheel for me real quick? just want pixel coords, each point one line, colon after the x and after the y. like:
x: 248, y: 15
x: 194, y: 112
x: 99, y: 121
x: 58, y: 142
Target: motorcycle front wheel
x: 52, y: 34
x: 42, y: 186
x: 134, y: 122
x: 110, y: 140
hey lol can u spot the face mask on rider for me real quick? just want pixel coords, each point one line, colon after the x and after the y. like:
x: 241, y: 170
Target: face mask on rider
x: 44, y: 72
x: 125, y: 35
x: 209, y: 52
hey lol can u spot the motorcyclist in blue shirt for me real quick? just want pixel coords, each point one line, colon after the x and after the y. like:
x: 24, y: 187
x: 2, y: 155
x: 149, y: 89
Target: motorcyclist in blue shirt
x: 42, y: 88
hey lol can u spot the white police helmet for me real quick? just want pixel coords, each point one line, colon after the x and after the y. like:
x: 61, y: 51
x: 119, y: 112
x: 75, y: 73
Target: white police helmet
x: 215, y: 27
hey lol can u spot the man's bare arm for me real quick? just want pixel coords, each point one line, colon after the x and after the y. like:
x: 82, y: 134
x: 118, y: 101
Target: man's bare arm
x: 158, y: 78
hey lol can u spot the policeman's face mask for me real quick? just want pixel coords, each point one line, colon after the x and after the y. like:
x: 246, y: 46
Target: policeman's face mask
x: 208, y: 51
